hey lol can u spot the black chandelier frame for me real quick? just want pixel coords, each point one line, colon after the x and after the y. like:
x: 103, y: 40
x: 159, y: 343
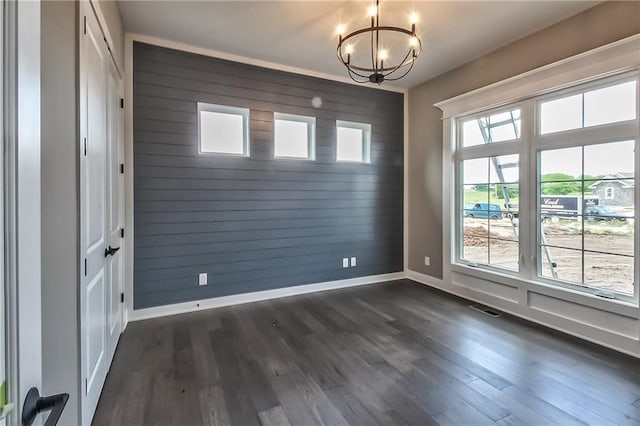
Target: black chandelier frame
x: 379, y: 72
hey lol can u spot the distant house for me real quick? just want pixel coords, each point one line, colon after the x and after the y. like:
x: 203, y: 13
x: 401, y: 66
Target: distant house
x: 615, y: 189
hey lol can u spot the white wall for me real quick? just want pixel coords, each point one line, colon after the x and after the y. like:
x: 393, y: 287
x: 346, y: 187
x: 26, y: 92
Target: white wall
x: 60, y: 270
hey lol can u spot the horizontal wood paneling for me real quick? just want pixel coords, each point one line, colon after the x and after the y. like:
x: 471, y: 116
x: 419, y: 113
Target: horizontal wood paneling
x: 256, y: 223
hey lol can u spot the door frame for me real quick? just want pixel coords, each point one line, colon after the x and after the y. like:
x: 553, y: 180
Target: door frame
x: 21, y: 196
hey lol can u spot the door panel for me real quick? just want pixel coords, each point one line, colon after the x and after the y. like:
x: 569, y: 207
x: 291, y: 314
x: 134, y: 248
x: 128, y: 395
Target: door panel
x: 95, y: 330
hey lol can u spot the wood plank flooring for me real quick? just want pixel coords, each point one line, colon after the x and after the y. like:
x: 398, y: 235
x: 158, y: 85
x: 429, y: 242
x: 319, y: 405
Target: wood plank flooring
x: 397, y: 353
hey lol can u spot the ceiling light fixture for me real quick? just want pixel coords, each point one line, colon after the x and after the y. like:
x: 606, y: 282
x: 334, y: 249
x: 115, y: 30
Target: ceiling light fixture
x: 381, y: 67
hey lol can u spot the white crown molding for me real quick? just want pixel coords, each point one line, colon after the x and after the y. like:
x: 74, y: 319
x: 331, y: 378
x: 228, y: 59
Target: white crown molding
x: 157, y: 41
x: 238, y: 299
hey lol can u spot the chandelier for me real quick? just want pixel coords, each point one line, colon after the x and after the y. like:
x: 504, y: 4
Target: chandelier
x: 385, y: 63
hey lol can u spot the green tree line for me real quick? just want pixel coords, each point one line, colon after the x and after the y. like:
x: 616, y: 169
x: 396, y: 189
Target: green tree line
x: 558, y: 184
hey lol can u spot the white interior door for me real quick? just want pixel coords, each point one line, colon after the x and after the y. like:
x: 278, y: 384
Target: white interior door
x: 101, y: 211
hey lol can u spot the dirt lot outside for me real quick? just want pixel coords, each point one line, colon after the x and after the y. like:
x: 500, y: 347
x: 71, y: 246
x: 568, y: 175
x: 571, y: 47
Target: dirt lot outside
x: 608, y: 257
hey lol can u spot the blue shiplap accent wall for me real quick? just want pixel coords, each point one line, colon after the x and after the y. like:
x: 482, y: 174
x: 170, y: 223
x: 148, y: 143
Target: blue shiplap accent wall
x: 256, y: 223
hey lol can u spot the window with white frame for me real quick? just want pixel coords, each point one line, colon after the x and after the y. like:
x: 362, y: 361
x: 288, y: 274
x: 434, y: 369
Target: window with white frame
x: 353, y: 142
x: 608, y: 193
x: 294, y: 136
x: 223, y: 129
x: 565, y: 186
x: 490, y: 189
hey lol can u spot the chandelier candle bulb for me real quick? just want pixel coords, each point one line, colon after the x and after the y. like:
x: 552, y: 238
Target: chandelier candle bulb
x: 370, y: 68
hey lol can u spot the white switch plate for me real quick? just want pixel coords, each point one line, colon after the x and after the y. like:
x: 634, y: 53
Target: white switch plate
x: 353, y: 261
x: 345, y: 262
x: 427, y: 261
x: 202, y: 278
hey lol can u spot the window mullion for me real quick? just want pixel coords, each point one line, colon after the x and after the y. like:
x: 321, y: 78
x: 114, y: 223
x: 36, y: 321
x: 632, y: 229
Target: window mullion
x: 588, y: 136
x: 528, y: 192
x: 636, y: 281
x: 490, y: 150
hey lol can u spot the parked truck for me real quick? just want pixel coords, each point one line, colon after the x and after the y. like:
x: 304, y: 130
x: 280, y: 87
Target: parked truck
x: 569, y: 206
x: 565, y: 205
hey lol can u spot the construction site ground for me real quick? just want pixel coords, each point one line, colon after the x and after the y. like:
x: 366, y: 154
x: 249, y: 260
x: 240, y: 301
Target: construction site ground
x: 605, y: 246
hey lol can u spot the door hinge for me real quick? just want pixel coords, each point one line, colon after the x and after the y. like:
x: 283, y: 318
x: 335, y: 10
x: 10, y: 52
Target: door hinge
x: 121, y: 232
x: 121, y: 169
x: 85, y: 147
x: 85, y: 266
x: 121, y: 103
x: 86, y: 386
x: 121, y: 297
x: 84, y: 26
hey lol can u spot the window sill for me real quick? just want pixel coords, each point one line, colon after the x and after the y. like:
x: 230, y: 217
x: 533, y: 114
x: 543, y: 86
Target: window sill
x: 616, y: 306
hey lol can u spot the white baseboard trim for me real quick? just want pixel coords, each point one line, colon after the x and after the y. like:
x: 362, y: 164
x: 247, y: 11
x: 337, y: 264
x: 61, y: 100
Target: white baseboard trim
x: 238, y: 299
x: 502, y: 306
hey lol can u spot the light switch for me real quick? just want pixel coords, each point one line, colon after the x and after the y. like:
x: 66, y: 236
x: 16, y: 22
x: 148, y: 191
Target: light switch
x: 202, y: 278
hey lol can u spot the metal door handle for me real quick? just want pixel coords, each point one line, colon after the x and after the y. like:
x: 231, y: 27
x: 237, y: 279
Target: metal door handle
x: 110, y: 251
x: 35, y: 404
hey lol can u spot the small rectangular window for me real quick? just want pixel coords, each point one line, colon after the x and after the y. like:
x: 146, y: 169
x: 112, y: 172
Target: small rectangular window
x: 353, y: 142
x: 223, y: 129
x: 606, y: 105
x: 294, y: 136
x: 609, y: 193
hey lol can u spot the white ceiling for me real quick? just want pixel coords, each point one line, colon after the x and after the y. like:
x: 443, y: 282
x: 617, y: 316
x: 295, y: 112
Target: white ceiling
x: 302, y: 34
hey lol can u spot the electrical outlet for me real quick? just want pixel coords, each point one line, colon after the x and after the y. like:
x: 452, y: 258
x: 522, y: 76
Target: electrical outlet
x: 202, y: 278
x: 427, y: 261
x: 345, y: 262
x: 353, y: 261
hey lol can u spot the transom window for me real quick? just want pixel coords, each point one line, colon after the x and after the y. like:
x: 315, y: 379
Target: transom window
x: 594, y: 107
x: 559, y: 188
x: 294, y: 136
x: 223, y: 129
x: 496, y: 127
x: 353, y: 142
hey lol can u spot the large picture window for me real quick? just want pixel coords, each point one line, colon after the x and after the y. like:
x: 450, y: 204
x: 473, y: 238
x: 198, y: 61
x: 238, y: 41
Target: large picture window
x: 553, y: 179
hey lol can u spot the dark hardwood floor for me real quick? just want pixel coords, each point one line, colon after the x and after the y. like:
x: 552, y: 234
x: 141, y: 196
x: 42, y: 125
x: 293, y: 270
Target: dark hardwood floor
x: 390, y: 354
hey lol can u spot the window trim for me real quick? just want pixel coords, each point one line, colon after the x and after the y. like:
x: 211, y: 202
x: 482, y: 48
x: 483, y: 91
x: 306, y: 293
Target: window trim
x: 245, y: 113
x: 311, y: 135
x: 366, y: 140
